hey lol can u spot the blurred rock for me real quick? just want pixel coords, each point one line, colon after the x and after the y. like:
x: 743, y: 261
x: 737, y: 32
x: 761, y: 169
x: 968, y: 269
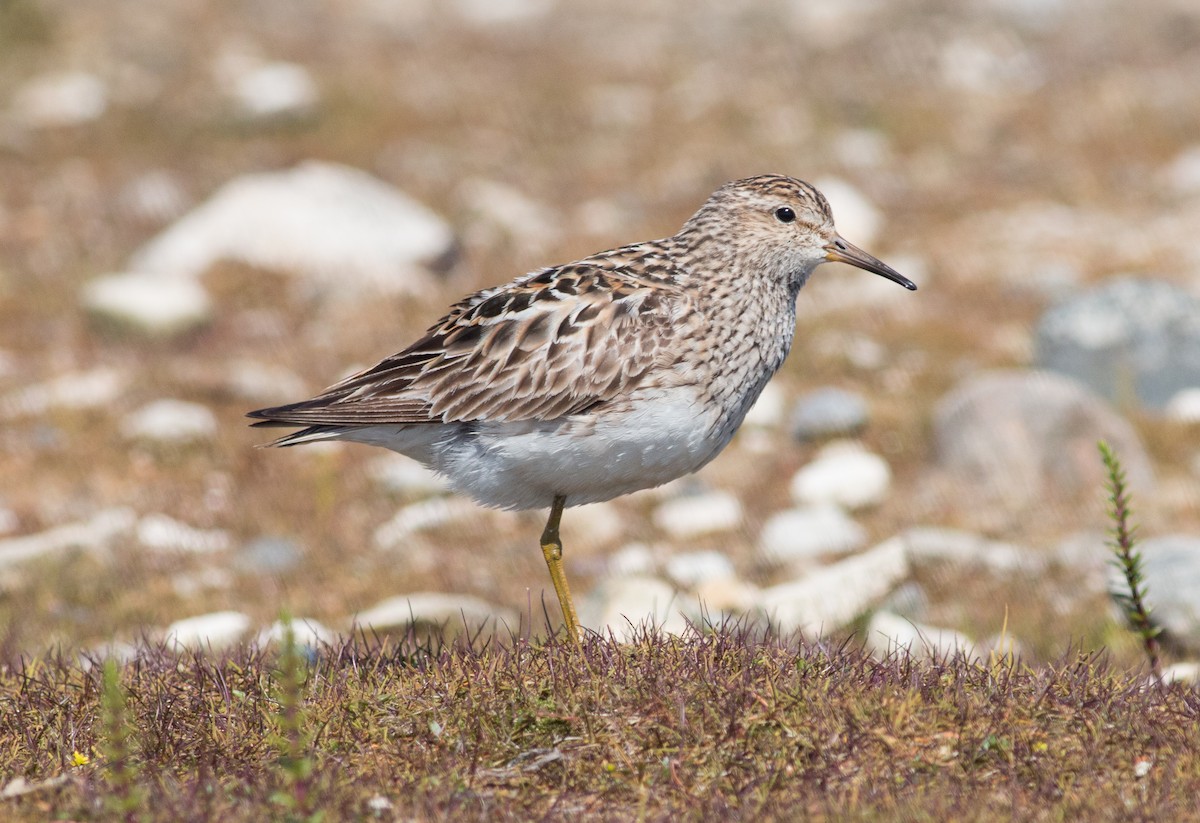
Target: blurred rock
x: 623, y: 606
x: 207, y: 632
x: 275, y: 90
x: 689, y: 569
x: 843, y: 474
x: 694, y: 515
x: 1187, y: 672
x: 163, y: 533
x: 767, y: 411
x: 1019, y: 439
x: 1171, y: 574
x: 68, y: 98
x: 719, y: 596
x: 269, y: 555
x: 170, y: 422
x: 1087, y: 554
x: 147, y: 304
x: 202, y: 582
x: 862, y: 148
x: 888, y: 633
x: 404, y: 476
x: 307, y: 633
x: 253, y: 380
x: 828, y: 412
x: 336, y: 226
x: 1129, y: 341
x: 1182, y: 175
x: 930, y: 545
x: 834, y: 595
x: 9, y: 522
x: 1185, y: 406
x: 426, y: 514
x: 631, y: 561
x: 593, y: 526
x: 990, y: 64
x: 858, y: 219
x: 79, y: 390
x: 433, y: 609
x: 502, y: 214
x: 501, y: 12
x: 106, y: 525
x: 155, y: 196
x: 806, y: 533
x: 909, y: 600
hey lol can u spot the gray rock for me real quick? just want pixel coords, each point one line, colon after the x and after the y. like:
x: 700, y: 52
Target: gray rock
x: 1171, y: 567
x: 213, y: 631
x: 834, y: 595
x: 843, y: 474
x: 805, y: 533
x: 147, y: 304
x: 1185, y: 406
x: 335, y: 226
x: 690, y: 569
x: 269, y: 555
x: 828, y: 412
x: 433, y: 609
x: 1130, y: 341
x: 173, y: 422
x: 624, y: 606
x: 1015, y: 440
x: 888, y: 633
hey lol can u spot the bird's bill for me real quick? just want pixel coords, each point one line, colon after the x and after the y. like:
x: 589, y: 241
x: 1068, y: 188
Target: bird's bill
x: 841, y: 251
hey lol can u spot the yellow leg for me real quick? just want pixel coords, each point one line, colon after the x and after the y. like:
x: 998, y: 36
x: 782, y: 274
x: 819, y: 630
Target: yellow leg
x: 552, y: 550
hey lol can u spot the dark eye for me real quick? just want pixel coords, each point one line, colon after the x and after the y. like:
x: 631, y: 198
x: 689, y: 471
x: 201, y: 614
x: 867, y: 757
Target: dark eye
x: 784, y: 215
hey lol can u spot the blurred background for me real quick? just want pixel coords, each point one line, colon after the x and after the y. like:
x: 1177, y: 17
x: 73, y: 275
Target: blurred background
x: 209, y: 207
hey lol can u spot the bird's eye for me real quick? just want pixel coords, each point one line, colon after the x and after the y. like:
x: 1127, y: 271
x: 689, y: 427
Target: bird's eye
x: 784, y: 215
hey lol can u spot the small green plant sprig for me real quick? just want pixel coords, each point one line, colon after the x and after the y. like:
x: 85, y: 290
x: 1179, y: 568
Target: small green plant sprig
x: 1129, y: 560
x: 294, y: 766
x: 125, y: 796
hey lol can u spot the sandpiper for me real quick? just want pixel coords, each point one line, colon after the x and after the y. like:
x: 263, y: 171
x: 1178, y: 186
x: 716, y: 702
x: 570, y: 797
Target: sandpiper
x: 589, y: 380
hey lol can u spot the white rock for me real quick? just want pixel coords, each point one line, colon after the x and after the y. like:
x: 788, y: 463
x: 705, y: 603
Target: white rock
x: 724, y: 595
x: 334, y: 225
x: 79, y: 390
x: 1183, y: 174
x: 1185, y: 406
x: 632, y: 560
x: 426, y: 514
x: 625, y: 606
x: 433, y: 608
x: 170, y: 421
x: 497, y: 12
x: 155, y: 195
x: 834, y: 595
x: 888, y: 633
x: 843, y: 474
x: 252, y: 380
x: 691, y: 516
x: 927, y: 545
x: 402, y: 475
x: 858, y: 219
x: 66, y: 98
x: 690, y: 569
x: 9, y: 522
x: 593, y: 526
x: 163, y: 533
x: 90, y: 534
x: 213, y: 631
x: 276, y: 89
x: 150, y: 304
x: 768, y: 410
x: 306, y: 632
x: 804, y: 533
x: 1187, y: 672
x: 500, y: 212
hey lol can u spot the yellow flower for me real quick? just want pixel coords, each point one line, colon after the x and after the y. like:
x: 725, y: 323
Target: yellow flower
x: 80, y: 759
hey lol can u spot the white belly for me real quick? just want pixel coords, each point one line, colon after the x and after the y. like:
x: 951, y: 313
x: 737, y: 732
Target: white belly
x: 663, y: 435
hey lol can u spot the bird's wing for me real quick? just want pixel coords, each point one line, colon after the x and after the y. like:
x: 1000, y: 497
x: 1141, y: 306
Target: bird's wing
x: 554, y: 343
